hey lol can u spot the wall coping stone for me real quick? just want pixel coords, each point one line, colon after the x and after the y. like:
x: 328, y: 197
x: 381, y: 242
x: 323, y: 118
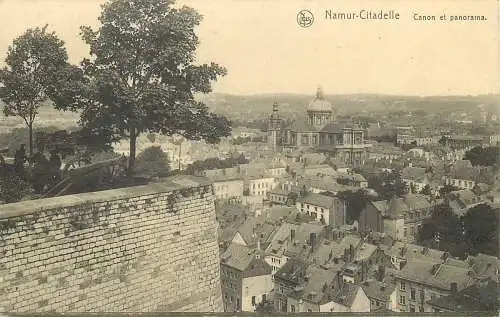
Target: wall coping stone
x: 162, y: 186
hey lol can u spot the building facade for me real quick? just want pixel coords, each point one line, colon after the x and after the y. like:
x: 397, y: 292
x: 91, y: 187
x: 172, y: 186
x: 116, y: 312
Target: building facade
x: 321, y: 132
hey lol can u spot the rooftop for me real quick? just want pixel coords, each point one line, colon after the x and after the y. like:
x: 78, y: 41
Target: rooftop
x: 317, y: 200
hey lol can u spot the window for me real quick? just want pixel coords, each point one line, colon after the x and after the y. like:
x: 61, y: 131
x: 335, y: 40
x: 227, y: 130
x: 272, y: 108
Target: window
x: 412, y: 308
x: 403, y: 286
x: 412, y: 294
x: 373, y: 302
x: 231, y: 299
x: 421, y: 309
x: 253, y: 300
x: 377, y: 303
x: 402, y: 300
x: 237, y: 303
x: 281, y: 289
x: 309, y: 310
x: 292, y: 308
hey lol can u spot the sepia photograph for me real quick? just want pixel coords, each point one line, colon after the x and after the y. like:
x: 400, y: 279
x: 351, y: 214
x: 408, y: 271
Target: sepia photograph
x: 249, y: 157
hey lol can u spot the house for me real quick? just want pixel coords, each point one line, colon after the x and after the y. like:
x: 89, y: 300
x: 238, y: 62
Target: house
x: 420, y: 281
x: 400, y: 217
x: 245, y: 279
x: 461, y: 201
x: 292, y: 240
x: 317, y: 170
x: 286, y: 280
x: 381, y: 293
x: 278, y: 196
x: 259, y: 184
x: 325, y: 209
x: 323, y: 184
x: 416, y: 178
x: 463, y: 175
x: 313, y: 291
x: 347, y: 298
x: 352, y: 179
x: 254, y: 232
x: 481, y: 297
x: 228, y: 188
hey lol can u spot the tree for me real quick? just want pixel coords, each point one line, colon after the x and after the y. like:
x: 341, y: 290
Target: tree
x: 388, y: 184
x: 355, y: 202
x: 481, y: 230
x: 154, y: 162
x: 447, y: 225
x: 487, y: 156
x: 13, y: 189
x: 141, y: 76
x: 34, y: 60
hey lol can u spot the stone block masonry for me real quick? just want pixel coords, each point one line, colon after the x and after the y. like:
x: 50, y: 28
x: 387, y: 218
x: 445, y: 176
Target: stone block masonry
x: 140, y: 249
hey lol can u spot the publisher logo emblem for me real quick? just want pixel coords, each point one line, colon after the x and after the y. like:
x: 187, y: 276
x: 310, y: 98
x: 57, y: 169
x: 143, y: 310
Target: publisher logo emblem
x: 305, y: 18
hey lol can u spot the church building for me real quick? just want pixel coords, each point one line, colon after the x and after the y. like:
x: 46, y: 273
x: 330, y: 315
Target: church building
x: 319, y: 131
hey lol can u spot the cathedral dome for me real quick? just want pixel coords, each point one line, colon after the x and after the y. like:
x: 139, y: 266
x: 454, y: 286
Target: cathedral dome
x: 319, y: 103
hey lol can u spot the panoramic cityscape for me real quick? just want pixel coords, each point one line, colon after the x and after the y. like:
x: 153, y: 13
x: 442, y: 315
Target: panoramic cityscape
x: 143, y: 170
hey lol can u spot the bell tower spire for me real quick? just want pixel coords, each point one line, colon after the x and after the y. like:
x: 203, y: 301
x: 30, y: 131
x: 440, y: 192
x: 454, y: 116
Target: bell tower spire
x: 319, y: 93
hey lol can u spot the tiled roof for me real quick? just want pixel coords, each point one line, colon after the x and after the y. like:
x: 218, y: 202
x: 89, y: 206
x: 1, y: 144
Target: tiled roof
x: 412, y: 251
x: 396, y: 206
x: 318, y: 200
x: 238, y: 256
x: 317, y: 283
x: 435, y: 273
x: 475, y: 298
x: 336, y: 248
x: 253, y: 228
x: 345, y: 294
x: 381, y: 290
x: 414, y: 173
x: 292, y: 271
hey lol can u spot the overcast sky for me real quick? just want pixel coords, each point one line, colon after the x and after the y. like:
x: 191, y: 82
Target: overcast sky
x: 265, y: 50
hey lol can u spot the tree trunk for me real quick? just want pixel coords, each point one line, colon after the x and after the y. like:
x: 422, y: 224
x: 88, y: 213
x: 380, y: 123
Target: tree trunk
x: 132, y: 152
x: 30, y: 139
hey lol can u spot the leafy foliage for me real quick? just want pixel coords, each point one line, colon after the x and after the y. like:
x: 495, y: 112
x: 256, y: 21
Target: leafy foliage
x: 388, y: 184
x: 13, y: 188
x: 34, y: 60
x: 216, y: 163
x: 153, y: 162
x: 355, y: 202
x: 475, y: 232
x: 487, y: 156
x: 481, y: 230
x: 141, y: 76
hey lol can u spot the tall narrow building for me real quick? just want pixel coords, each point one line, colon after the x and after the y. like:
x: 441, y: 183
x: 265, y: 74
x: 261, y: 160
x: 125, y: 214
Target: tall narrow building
x: 274, y: 128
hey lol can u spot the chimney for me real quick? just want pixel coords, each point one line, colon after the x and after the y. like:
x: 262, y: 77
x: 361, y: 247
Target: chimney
x: 312, y: 241
x: 454, y: 287
x: 351, y: 252
x: 292, y: 235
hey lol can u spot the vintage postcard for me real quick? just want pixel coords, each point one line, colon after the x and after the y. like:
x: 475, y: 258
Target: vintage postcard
x: 249, y: 156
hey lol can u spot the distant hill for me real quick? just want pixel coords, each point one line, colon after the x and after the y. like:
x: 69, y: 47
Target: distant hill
x: 291, y: 105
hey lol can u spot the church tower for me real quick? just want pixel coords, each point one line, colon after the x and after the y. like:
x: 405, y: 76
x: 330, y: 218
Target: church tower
x: 274, y: 127
x: 320, y: 111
